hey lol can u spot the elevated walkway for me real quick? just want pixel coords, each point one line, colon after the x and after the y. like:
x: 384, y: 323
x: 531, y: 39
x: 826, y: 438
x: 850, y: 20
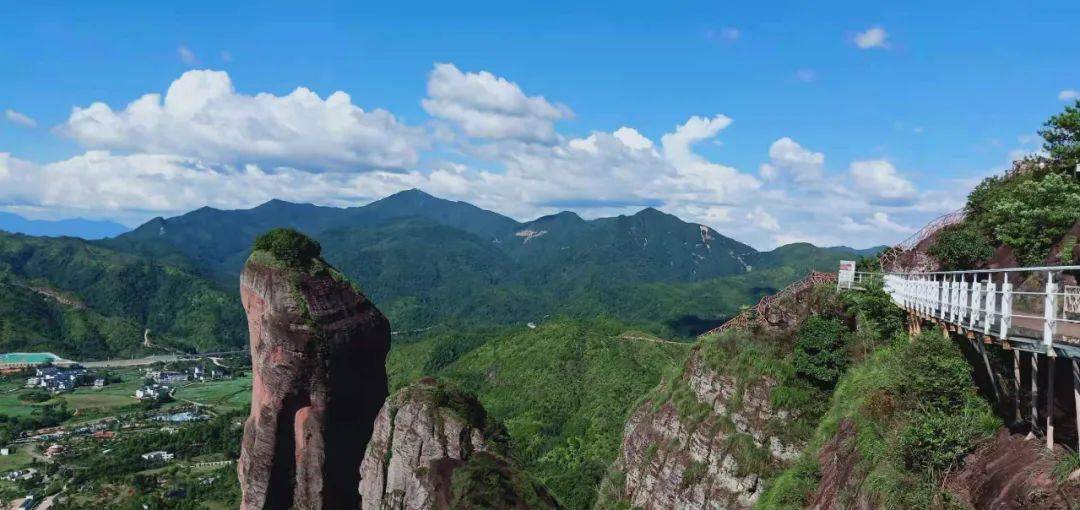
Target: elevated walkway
x: 1025, y: 309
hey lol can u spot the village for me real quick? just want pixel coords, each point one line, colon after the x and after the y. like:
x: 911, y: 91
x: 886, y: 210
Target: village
x: 69, y: 433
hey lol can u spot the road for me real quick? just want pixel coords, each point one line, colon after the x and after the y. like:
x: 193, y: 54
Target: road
x: 150, y: 360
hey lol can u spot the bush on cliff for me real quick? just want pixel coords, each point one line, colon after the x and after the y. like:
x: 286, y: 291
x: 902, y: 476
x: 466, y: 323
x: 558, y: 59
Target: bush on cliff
x: 1035, y: 216
x: 916, y: 414
x: 289, y: 246
x: 961, y: 246
x: 819, y: 351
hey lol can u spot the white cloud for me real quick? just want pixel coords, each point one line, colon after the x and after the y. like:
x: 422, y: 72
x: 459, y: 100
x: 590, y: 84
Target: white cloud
x: 631, y: 138
x: 205, y: 144
x: 786, y: 155
x: 805, y: 75
x: 19, y: 118
x: 1068, y: 95
x: 730, y: 33
x: 877, y: 222
x: 487, y: 106
x: 201, y: 115
x: 763, y: 220
x: 132, y: 188
x: 186, y: 55
x: 698, y: 179
x: 881, y: 183
x: 873, y: 37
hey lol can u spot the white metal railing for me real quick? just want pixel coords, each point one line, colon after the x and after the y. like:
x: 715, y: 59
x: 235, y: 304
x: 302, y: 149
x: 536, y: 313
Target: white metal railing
x: 1024, y: 303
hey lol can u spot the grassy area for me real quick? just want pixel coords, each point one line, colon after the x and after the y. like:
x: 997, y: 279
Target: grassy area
x: 19, y: 458
x: 225, y: 395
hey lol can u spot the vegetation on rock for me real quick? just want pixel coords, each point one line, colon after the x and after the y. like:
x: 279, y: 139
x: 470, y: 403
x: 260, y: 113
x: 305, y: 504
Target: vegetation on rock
x: 819, y: 351
x: 915, y: 413
x: 289, y: 246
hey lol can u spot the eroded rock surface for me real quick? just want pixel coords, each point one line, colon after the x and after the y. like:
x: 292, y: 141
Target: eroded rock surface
x: 1012, y: 472
x: 435, y: 447
x: 710, y: 437
x: 714, y: 457
x: 318, y: 350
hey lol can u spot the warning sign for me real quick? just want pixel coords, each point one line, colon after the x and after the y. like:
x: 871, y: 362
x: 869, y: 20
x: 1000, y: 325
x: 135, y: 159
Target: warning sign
x: 845, y: 279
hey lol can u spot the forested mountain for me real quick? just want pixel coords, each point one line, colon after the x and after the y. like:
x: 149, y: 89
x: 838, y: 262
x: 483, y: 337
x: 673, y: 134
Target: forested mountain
x: 427, y: 261
x: 88, y: 301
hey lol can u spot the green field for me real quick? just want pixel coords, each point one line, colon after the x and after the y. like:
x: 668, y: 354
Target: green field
x: 89, y: 403
x: 223, y: 395
x: 19, y: 458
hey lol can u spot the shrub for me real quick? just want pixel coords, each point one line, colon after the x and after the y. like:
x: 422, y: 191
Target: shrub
x: 289, y: 246
x: 932, y: 374
x: 935, y: 440
x: 819, y: 351
x: 35, y: 396
x: 1062, y: 135
x: 1068, y: 245
x: 1033, y: 217
x: 875, y: 312
x: 961, y: 246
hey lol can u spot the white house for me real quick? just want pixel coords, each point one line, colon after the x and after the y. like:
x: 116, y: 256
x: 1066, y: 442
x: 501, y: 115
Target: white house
x: 159, y: 455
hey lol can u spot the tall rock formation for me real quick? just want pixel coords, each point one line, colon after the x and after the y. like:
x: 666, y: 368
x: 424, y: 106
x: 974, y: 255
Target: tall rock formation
x: 436, y: 447
x: 318, y: 350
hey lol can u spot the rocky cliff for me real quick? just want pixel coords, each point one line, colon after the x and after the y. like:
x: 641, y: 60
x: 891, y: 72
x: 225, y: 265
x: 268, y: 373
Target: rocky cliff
x: 710, y: 434
x: 318, y: 349
x: 436, y: 447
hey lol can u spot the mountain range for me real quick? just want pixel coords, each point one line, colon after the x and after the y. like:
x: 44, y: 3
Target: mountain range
x: 74, y: 227
x: 427, y: 262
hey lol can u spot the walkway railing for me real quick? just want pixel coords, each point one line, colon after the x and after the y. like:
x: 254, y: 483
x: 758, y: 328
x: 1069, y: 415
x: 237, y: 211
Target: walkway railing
x: 1034, y: 305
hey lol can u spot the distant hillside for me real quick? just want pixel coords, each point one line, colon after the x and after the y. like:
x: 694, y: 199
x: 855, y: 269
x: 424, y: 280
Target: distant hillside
x: 429, y: 261
x: 216, y: 242
x: 562, y: 390
x: 805, y: 256
x: 76, y: 227
x: 86, y: 301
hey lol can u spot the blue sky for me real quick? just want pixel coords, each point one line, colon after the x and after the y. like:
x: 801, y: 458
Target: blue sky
x: 881, y: 136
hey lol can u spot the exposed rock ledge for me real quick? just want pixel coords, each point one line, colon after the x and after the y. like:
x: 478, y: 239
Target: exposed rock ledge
x: 435, y: 447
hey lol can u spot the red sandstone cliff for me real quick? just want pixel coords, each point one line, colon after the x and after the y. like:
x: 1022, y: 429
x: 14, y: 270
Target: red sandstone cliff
x: 436, y: 447
x: 318, y: 350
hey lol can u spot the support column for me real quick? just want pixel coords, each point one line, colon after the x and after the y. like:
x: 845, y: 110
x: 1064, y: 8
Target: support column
x: 1034, y: 392
x: 1016, y: 389
x: 989, y: 371
x: 1050, y: 362
x: 1076, y: 399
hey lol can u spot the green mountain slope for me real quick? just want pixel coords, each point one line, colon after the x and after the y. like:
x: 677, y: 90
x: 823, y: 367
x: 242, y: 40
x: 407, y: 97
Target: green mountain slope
x: 649, y: 246
x: 217, y: 242
x: 89, y: 301
x: 429, y: 261
x: 805, y: 256
x: 563, y: 390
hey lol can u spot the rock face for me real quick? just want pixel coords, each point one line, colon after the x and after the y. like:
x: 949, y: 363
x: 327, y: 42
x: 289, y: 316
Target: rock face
x: 712, y: 457
x: 318, y: 350
x: 435, y: 447
x: 1012, y: 472
x: 709, y: 436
